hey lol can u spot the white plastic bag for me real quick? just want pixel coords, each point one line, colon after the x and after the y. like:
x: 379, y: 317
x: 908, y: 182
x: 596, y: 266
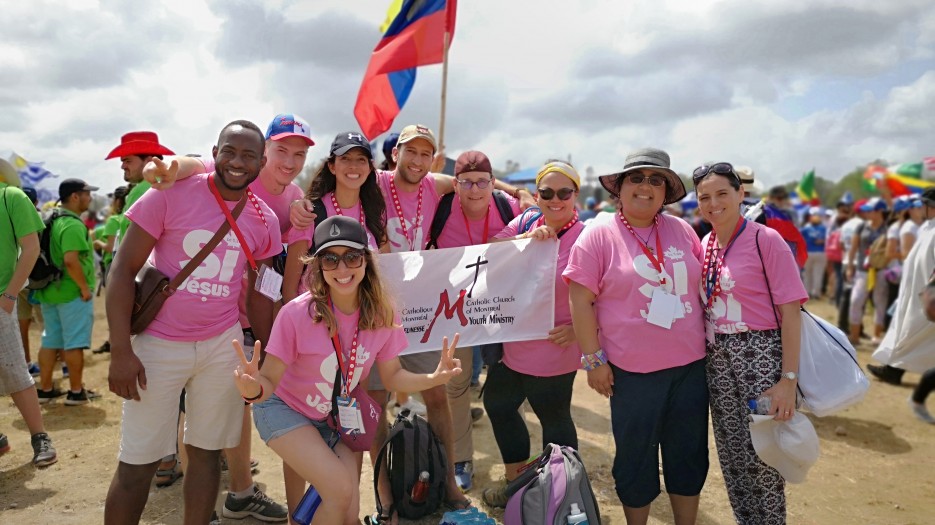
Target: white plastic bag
x: 830, y: 378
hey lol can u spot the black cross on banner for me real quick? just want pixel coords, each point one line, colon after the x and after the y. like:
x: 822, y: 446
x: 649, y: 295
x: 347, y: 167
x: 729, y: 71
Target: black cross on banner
x: 476, y: 266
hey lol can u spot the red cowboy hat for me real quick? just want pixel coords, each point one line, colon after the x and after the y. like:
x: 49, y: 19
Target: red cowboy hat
x: 139, y: 143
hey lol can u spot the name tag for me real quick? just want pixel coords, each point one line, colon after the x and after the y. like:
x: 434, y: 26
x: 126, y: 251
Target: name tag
x: 349, y: 414
x: 662, y: 309
x: 269, y: 283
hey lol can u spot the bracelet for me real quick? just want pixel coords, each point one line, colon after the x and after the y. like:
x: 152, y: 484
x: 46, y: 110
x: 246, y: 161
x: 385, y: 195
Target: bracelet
x: 9, y: 296
x: 254, y: 398
x: 591, y: 361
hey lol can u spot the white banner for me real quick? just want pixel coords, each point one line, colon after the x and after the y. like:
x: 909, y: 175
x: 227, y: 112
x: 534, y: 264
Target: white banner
x: 488, y: 293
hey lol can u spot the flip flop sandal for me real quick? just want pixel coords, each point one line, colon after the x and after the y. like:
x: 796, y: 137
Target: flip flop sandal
x: 458, y: 504
x: 168, y: 477
x: 254, y: 465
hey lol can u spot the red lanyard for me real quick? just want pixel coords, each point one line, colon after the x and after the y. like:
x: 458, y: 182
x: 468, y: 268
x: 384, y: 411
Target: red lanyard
x: 541, y: 220
x: 399, y: 213
x: 233, y: 223
x: 712, y: 265
x: 347, y: 375
x: 337, y: 209
x: 657, y: 263
x: 467, y: 226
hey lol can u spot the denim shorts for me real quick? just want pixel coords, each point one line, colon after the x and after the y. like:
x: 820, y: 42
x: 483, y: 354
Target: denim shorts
x: 274, y: 418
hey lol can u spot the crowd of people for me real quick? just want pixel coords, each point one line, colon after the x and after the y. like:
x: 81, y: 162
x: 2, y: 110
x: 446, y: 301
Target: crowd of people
x: 671, y: 315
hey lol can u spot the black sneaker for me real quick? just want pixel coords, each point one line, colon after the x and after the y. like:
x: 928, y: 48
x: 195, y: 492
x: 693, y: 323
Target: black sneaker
x: 259, y: 505
x: 886, y: 373
x: 103, y: 349
x: 4, y: 444
x: 81, y: 398
x: 43, y: 451
x: 48, y: 395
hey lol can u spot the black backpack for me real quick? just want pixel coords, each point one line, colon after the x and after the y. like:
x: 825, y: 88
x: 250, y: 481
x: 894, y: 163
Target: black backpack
x: 444, y: 211
x: 45, y: 272
x: 410, y: 449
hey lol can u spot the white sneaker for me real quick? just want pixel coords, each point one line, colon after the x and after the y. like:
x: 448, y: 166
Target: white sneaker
x: 921, y: 412
x: 413, y: 405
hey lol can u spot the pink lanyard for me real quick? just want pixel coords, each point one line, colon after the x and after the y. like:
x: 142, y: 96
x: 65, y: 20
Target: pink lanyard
x: 233, y: 223
x: 337, y: 209
x: 657, y: 263
x: 712, y: 265
x: 399, y: 213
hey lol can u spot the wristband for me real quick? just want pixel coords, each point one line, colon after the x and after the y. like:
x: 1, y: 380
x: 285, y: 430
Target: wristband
x: 9, y: 296
x: 591, y: 361
x: 254, y: 398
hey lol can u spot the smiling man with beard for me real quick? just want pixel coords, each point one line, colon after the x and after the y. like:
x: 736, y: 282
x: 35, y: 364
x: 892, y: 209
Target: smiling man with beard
x: 187, y: 345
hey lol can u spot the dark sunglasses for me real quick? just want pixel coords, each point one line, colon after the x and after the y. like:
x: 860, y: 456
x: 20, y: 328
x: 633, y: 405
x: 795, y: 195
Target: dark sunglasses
x: 654, y: 180
x: 547, y: 194
x: 352, y: 259
x: 721, y: 168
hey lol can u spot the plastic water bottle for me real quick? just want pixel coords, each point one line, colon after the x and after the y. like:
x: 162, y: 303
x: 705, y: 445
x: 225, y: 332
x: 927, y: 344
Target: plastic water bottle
x: 760, y: 405
x: 576, y: 517
x: 306, y: 510
x: 420, y: 490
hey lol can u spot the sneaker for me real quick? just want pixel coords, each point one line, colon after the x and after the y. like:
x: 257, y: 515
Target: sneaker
x: 476, y: 414
x: 413, y: 406
x: 65, y: 371
x: 43, y: 451
x: 34, y: 369
x: 48, y: 395
x: 215, y: 520
x: 887, y: 374
x: 464, y: 475
x: 921, y: 412
x: 81, y: 398
x: 4, y: 444
x: 103, y: 349
x: 259, y: 505
x: 496, y: 497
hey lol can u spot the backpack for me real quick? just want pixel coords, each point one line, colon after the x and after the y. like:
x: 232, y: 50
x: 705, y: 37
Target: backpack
x: 410, y: 449
x: 44, y: 272
x: 444, y: 211
x: 544, y: 491
x: 834, y: 249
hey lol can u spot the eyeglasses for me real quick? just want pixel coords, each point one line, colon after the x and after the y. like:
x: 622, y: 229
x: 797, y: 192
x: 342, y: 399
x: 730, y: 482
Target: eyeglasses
x: 352, y: 259
x: 654, y: 180
x: 721, y: 168
x: 466, y: 185
x: 547, y: 194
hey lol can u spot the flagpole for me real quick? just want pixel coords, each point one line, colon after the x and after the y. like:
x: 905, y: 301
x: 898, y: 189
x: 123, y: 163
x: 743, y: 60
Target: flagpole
x: 447, y: 42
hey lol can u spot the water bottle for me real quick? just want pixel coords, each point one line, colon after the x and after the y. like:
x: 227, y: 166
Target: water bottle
x: 576, y: 517
x: 306, y: 510
x: 420, y: 490
x: 760, y: 405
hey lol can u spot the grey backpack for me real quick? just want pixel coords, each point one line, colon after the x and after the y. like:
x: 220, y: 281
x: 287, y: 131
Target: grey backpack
x: 544, y: 492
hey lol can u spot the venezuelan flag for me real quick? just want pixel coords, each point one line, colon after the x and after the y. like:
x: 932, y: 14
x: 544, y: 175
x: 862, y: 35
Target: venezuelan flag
x: 415, y: 37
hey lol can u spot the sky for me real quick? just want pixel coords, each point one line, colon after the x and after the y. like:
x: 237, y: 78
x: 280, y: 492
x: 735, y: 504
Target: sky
x: 783, y: 87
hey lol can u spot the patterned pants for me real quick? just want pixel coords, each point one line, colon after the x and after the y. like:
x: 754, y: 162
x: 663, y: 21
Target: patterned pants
x: 740, y: 367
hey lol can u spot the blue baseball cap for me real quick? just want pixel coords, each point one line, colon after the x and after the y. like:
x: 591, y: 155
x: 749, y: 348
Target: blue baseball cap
x: 390, y: 142
x: 874, y: 204
x: 287, y: 125
x: 901, y: 204
x: 34, y: 197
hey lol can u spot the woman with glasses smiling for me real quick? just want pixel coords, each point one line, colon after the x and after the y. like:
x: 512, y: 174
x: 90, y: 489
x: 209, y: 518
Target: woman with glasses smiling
x: 752, y: 350
x: 346, y: 322
x: 541, y: 371
x: 632, y: 279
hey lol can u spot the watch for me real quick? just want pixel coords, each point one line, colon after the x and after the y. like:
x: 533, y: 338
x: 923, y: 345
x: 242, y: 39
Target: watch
x: 791, y: 376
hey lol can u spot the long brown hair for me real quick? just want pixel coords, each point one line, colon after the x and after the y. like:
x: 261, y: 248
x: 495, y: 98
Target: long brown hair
x: 371, y: 198
x: 377, y: 309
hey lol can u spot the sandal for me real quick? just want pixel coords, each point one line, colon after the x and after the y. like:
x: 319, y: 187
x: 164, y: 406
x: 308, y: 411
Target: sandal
x: 462, y: 504
x: 254, y: 464
x: 167, y: 477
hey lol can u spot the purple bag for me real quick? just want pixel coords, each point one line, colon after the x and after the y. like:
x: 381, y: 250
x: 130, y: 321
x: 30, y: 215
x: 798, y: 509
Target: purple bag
x: 544, y: 491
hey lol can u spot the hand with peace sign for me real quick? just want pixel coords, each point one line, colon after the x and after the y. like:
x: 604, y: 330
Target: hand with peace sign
x: 247, y: 374
x: 448, y: 366
x: 161, y: 175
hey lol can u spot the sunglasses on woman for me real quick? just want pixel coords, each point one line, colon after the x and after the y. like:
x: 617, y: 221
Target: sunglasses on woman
x: 547, y: 194
x: 721, y: 168
x: 654, y: 180
x: 352, y: 259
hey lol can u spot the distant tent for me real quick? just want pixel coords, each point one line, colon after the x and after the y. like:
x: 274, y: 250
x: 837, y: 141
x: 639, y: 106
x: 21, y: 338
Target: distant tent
x: 522, y: 176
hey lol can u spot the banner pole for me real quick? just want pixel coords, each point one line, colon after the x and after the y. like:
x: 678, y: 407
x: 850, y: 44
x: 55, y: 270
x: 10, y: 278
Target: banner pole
x: 441, y: 125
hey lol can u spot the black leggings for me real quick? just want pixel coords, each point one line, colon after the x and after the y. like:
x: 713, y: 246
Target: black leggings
x: 549, y: 397
x: 925, y: 387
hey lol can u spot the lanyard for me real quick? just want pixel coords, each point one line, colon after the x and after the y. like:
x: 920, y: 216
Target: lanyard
x: 352, y: 358
x: 467, y: 226
x: 399, y: 213
x: 713, y: 265
x: 541, y: 221
x: 657, y: 263
x: 233, y: 223
x: 337, y: 209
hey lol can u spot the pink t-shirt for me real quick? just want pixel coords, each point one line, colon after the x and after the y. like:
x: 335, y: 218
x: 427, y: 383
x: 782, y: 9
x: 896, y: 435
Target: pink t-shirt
x: 182, y: 219
x: 543, y: 358
x: 352, y: 212
x: 609, y: 261
x: 306, y: 349
x: 409, y: 202
x: 744, y: 303
x: 456, y: 233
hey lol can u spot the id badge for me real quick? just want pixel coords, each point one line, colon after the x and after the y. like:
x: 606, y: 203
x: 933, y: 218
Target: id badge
x: 662, y: 308
x: 349, y: 414
x: 269, y: 283
x: 709, y: 328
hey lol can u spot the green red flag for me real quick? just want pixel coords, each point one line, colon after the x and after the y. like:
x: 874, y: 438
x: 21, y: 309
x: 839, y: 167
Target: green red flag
x: 806, y: 190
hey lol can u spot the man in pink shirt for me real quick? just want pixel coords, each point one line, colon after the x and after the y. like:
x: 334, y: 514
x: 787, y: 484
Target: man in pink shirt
x: 187, y: 345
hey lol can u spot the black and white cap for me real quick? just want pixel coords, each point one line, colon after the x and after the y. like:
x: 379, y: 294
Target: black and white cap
x: 340, y: 231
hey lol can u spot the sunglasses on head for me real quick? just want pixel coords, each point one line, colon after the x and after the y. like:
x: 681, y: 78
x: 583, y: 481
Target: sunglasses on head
x: 654, y: 180
x: 352, y: 259
x: 547, y: 194
x: 720, y: 168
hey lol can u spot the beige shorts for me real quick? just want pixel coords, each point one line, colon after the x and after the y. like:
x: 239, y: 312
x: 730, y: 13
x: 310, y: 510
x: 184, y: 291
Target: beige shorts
x: 213, y: 406
x: 421, y: 363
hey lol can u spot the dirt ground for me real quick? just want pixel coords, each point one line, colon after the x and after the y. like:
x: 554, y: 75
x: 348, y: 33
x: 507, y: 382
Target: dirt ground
x: 876, y: 464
